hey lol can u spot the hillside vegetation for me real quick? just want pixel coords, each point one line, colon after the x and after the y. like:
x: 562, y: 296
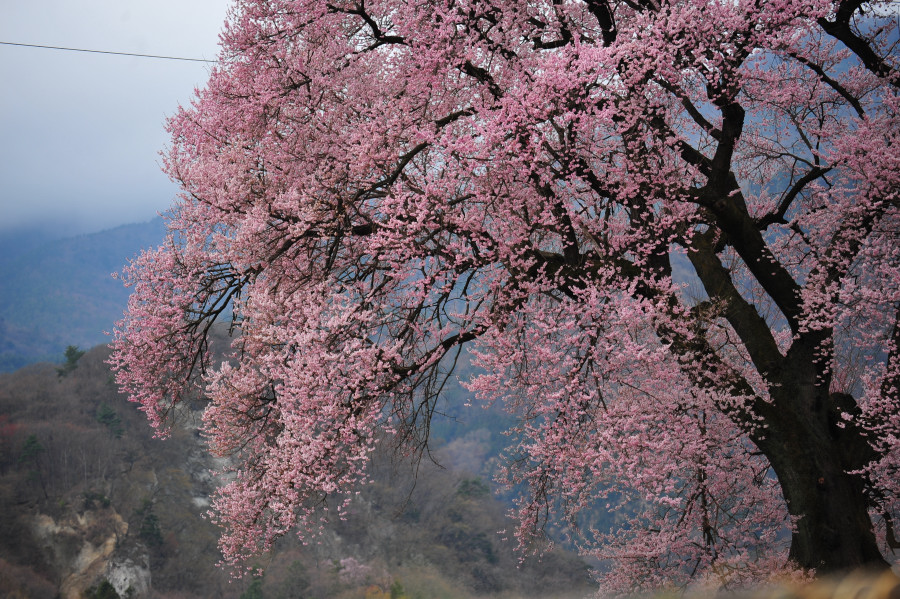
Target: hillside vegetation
x: 92, y: 505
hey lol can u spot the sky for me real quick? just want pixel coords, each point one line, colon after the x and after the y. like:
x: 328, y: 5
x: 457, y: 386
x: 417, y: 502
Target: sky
x: 80, y: 133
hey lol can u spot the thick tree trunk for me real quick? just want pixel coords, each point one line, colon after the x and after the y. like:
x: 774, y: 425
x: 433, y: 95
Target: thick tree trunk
x: 811, y: 449
x: 833, y: 529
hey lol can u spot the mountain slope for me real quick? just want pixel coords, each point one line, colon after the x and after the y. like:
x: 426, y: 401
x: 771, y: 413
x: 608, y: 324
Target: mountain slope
x: 60, y: 292
x: 88, y: 496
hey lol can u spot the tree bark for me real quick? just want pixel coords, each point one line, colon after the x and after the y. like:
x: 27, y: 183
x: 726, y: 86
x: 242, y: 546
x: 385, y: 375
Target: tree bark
x: 812, y: 451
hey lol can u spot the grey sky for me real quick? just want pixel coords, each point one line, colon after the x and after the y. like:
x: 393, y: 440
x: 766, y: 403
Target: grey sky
x: 80, y: 134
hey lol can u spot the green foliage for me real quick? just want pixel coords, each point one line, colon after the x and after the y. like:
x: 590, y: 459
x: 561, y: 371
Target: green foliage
x: 73, y: 354
x: 31, y: 450
x: 104, y: 590
x: 92, y: 500
x: 397, y: 591
x: 108, y: 418
x: 254, y: 591
x: 469, y: 545
x: 429, y: 583
x: 149, y: 530
x: 471, y: 488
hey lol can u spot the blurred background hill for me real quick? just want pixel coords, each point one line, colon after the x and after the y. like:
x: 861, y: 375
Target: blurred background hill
x: 56, y: 292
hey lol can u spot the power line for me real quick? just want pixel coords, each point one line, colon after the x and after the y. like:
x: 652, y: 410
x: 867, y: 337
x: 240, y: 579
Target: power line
x: 107, y: 52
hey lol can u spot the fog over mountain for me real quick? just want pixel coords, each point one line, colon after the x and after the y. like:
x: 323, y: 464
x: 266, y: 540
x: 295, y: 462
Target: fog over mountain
x: 57, y: 291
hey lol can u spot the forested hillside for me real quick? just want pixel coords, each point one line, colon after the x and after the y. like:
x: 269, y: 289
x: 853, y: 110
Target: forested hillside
x: 91, y: 504
x: 57, y: 292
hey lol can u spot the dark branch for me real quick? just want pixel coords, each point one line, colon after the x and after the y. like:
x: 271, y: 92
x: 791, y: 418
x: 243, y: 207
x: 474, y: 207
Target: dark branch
x: 790, y: 196
x: 840, y: 89
x: 604, y: 15
x: 840, y: 29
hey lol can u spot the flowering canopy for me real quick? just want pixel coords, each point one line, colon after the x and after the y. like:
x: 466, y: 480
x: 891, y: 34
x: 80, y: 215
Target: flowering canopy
x: 669, y: 230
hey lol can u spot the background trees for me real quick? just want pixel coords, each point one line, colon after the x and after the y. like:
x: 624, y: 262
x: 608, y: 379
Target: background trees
x: 373, y: 185
x: 96, y: 481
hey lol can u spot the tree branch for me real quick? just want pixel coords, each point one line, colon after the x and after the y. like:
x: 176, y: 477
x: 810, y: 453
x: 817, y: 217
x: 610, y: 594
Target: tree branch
x: 840, y: 29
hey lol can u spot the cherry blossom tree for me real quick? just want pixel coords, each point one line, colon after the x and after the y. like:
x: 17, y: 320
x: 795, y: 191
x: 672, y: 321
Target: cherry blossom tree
x: 668, y: 230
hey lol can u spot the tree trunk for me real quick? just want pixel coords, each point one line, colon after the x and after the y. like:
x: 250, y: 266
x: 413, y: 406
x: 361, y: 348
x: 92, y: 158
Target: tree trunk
x: 811, y: 449
x: 833, y: 531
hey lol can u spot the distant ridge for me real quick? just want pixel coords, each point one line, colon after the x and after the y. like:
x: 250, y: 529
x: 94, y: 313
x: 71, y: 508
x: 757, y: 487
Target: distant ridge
x: 59, y: 292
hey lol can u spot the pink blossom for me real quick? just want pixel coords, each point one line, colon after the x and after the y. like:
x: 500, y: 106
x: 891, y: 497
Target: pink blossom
x: 372, y: 186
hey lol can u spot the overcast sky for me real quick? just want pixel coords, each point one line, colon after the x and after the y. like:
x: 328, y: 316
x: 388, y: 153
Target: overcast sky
x: 80, y: 134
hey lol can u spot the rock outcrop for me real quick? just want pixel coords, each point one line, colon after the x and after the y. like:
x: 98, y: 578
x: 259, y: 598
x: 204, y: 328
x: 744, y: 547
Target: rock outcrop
x: 85, y: 548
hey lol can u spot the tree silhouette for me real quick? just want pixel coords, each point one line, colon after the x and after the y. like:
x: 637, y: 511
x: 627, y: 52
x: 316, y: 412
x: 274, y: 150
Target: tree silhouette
x: 73, y: 354
x: 31, y: 456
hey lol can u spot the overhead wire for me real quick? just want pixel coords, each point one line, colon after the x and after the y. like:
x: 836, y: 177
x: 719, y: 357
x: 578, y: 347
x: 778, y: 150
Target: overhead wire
x: 107, y: 52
